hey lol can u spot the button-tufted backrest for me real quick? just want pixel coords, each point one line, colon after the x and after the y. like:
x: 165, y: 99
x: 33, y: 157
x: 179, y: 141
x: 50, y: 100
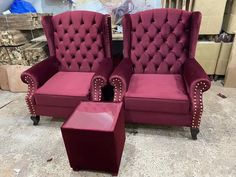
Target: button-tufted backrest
x: 160, y: 40
x: 80, y: 40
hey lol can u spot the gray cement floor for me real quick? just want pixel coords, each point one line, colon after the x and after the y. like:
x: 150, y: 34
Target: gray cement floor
x: 152, y: 152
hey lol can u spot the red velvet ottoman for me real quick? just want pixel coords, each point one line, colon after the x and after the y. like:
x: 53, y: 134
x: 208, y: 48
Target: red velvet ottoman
x: 94, y: 137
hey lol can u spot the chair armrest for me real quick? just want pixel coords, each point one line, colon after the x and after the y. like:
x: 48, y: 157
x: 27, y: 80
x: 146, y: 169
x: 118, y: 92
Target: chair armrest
x: 36, y: 76
x: 40, y: 72
x: 197, y: 82
x: 100, y: 79
x: 195, y: 76
x: 120, y: 79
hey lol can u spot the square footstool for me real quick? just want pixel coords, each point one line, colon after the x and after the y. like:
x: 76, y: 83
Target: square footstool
x: 94, y: 137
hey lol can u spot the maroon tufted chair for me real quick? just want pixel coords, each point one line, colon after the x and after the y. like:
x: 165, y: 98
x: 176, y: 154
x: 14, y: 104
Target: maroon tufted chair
x: 159, y: 78
x: 80, y: 54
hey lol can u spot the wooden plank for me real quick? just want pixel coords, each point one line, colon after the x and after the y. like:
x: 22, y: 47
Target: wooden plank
x: 16, y: 37
x: 190, y: 5
x: 184, y: 4
x: 16, y: 54
x: 177, y: 4
x: 4, y: 57
x: 28, y: 21
x: 36, y: 52
x: 170, y: 3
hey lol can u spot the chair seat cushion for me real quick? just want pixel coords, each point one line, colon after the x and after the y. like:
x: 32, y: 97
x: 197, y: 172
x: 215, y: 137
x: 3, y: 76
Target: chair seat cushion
x: 157, y: 93
x: 65, y: 89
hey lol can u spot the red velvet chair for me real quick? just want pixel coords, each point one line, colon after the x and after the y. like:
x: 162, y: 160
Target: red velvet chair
x: 159, y: 78
x: 80, y: 54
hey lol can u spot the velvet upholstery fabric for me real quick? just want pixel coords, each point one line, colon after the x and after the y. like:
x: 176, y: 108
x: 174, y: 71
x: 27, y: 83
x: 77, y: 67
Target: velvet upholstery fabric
x: 95, y: 147
x: 159, y: 78
x: 59, y: 90
x: 158, y: 118
x: 159, y: 40
x: 157, y: 92
x: 78, y: 41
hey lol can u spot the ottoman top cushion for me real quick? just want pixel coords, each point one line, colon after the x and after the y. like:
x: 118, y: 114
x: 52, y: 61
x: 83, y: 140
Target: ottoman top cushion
x: 95, y: 116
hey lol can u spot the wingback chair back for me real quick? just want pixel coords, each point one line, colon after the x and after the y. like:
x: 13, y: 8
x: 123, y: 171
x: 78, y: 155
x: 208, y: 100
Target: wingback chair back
x: 160, y: 40
x: 79, y: 39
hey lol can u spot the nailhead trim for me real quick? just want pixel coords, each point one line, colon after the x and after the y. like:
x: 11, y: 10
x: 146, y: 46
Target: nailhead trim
x: 201, y: 86
x: 98, y: 83
x: 117, y: 89
x: 28, y: 98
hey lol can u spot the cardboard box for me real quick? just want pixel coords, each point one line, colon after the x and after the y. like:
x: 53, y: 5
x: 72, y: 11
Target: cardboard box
x: 14, y: 80
x: 229, y: 24
x: 212, y: 15
x: 207, y: 53
x: 230, y: 75
x: 3, y: 77
x: 223, y: 58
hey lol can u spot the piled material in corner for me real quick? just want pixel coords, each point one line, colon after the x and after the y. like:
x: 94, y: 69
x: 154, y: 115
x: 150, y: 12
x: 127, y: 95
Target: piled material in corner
x: 36, y: 52
x: 17, y: 52
x: 18, y: 37
x: 29, y: 21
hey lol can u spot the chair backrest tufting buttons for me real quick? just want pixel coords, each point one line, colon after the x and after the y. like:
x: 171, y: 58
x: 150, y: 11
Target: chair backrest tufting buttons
x: 78, y: 37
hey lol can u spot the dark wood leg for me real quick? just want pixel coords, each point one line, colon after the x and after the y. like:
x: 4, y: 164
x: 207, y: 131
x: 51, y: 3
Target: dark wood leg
x: 76, y: 169
x: 114, y: 174
x: 35, y: 119
x: 194, y: 132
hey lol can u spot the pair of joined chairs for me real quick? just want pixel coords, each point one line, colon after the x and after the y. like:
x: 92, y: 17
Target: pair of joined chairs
x: 159, y: 80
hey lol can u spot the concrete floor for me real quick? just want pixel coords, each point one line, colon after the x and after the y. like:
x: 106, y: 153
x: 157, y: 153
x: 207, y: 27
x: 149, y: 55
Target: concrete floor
x: 152, y: 152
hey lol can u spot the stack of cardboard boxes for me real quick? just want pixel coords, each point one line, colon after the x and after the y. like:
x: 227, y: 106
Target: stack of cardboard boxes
x: 230, y: 75
x: 17, y: 52
x: 229, y: 26
x: 211, y: 53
